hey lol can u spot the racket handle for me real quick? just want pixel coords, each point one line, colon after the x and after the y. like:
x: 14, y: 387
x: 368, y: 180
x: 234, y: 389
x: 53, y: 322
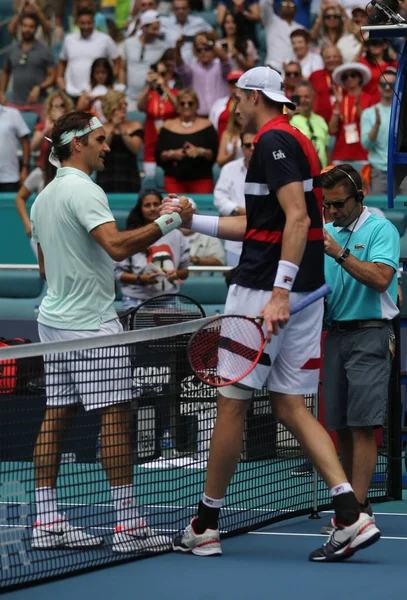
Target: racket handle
x: 324, y: 290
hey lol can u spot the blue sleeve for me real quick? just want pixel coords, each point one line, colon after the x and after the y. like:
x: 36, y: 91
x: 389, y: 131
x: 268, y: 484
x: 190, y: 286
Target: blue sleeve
x: 367, y: 121
x: 385, y: 245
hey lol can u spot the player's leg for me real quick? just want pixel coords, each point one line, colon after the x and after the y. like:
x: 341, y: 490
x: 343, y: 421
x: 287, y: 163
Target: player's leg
x: 363, y: 453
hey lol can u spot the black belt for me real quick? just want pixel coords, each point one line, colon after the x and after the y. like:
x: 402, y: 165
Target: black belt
x: 355, y: 325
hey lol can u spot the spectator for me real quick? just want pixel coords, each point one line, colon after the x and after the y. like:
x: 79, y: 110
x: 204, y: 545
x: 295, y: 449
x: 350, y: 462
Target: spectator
x: 205, y: 251
x: 277, y: 29
x: 360, y: 17
x: 101, y: 81
x: 78, y: 52
x: 78, y: 6
x: 141, y: 51
x: 138, y: 8
x: 309, y: 61
x: 221, y: 109
x: 168, y: 58
x: 230, y: 142
x: 182, y: 23
x: 208, y: 76
x: 229, y: 196
x: 292, y: 76
x: 241, y: 51
x: 56, y: 105
x: 334, y: 28
x: 13, y: 130
x: 345, y: 120
x: 34, y: 184
x: 377, y: 59
x: 323, y: 84
x: 157, y: 271
x: 121, y: 174
x: 374, y: 128
x: 116, y: 35
x: 249, y: 10
x: 314, y: 127
x: 159, y: 102
x: 35, y: 8
x: 186, y: 148
x: 31, y: 65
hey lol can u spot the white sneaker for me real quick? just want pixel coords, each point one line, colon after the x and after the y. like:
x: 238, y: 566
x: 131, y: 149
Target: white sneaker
x: 142, y: 539
x: 204, y: 544
x: 61, y: 534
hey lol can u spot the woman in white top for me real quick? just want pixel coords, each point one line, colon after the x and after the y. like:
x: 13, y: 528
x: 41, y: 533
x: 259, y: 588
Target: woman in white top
x: 158, y: 270
x: 101, y: 81
x: 333, y: 27
x: 230, y: 144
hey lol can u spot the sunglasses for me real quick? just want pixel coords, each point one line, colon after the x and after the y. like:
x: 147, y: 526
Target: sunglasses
x: 204, y: 49
x: 353, y: 74
x: 162, y: 73
x: 23, y: 58
x: 186, y: 103
x: 386, y: 84
x: 338, y: 204
x: 248, y: 145
x: 337, y: 17
x: 58, y: 106
x: 292, y: 74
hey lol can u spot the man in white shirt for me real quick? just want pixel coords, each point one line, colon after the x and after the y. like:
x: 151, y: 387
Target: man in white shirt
x: 229, y: 192
x: 140, y: 52
x: 13, y: 130
x: 278, y: 30
x: 309, y: 61
x: 78, y: 52
x: 181, y: 23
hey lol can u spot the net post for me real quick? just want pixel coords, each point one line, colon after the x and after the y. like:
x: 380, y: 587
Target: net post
x: 314, y: 511
x: 394, y: 449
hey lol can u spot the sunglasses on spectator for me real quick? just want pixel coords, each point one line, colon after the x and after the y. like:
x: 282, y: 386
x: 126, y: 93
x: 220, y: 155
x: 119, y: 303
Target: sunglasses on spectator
x: 203, y: 49
x: 57, y: 105
x: 292, y: 73
x: 248, y: 145
x: 162, y: 73
x: 346, y: 76
x: 338, y: 204
x: 186, y: 103
x: 385, y: 84
x: 326, y: 17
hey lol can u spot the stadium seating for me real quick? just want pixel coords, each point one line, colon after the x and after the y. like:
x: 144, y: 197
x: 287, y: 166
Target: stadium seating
x: 136, y: 115
x: 209, y: 290
x: 21, y: 293
x: 31, y: 119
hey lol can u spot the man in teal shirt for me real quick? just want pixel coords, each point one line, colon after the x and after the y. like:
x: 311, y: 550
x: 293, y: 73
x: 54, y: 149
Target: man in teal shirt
x: 362, y: 253
x: 78, y: 241
x: 374, y: 129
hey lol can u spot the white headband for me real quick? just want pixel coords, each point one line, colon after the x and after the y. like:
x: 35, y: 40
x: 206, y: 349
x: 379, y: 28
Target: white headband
x: 67, y: 137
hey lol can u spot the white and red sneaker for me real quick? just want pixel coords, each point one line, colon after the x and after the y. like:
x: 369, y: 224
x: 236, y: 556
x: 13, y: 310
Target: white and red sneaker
x: 61, y: 534
x: 141, y: 539
x: 201, y: 544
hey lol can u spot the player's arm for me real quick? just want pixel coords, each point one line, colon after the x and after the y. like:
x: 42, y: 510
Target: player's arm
x: 297, y: 222
x: 41, y: 262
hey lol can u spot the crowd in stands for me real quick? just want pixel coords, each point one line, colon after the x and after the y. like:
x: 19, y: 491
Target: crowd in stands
x: 161, y: 77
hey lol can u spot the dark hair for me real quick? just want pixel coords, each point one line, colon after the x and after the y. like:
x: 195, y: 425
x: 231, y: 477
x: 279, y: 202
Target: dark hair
x: 135, y: 218
x: 247, y: 131
x: 168, y: 54
x: 241, y: 40
x: 300, y: 33
x: 369, y: 56
x: 85, y: 11
x: 31, y: 16
x: 335, y: 178
x: 102, y: 62
x: 49, y: 169
x: 72, y: 121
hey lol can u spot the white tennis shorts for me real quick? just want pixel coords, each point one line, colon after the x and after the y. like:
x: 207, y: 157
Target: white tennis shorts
x: 291, y: 361
x: 96, y: 378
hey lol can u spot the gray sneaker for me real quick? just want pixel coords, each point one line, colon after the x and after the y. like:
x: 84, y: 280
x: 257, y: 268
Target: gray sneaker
x: 329, y: 527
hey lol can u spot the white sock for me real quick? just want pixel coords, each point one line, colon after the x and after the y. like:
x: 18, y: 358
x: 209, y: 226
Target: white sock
x: 212, y: 502
x: 342, y: 488
x: 46, y: 500
x: 125, y: 505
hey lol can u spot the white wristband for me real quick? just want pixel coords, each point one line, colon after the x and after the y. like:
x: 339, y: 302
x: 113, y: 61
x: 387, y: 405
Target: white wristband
x: 169, y: 222
x: 205, y: 224
x: 286, y: 274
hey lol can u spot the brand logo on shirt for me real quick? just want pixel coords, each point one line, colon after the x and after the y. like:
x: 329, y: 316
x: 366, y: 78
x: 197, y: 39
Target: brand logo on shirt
x: 277, y: 154
x: 359, y: 246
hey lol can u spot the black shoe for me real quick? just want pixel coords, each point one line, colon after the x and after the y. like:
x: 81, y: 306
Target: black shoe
x: 305, y: 469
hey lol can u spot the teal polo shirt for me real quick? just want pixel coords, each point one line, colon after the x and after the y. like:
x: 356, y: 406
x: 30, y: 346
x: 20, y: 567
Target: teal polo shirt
x: 373, y: 240
x: 80, y: 273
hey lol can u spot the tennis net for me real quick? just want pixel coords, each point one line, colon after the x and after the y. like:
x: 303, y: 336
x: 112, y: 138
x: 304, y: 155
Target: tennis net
x: 172, y: 416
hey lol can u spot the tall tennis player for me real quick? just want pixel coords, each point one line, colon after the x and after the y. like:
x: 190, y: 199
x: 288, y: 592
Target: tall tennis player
x: 282, y: 260
x: 78, y: 241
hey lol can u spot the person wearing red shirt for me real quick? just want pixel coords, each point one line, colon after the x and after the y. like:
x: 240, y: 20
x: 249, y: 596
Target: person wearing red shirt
x: 349, y: 104
x: 323, y: 84
x: 159, y: 102
x: 377, y: 59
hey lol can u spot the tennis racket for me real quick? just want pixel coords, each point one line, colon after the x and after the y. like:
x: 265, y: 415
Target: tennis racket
x: 227, y: 348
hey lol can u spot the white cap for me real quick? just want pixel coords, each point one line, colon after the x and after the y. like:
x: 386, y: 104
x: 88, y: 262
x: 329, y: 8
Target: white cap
x: 149, y: 17
x: 268, y: 81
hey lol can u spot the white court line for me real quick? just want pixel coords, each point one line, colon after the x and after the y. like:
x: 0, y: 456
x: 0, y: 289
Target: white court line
x: 311, y: 535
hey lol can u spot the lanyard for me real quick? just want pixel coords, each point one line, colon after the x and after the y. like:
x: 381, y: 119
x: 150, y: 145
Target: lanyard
x: 346, y: 112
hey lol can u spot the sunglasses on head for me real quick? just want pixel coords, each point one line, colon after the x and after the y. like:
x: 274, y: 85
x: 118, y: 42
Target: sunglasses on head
x: 292, y: 74
x: 346, y: 76
x: 338, y: 204
x: 186, y: 103
x: 203, y: 49
x: 248, y: 145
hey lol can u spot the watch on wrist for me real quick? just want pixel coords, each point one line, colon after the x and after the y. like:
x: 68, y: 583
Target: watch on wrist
x: 341, y: 259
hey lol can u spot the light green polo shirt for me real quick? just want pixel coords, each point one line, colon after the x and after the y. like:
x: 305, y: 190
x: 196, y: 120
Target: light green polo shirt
x: 80, y: 273
x: 373, y: 240
x: 315, y: 129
